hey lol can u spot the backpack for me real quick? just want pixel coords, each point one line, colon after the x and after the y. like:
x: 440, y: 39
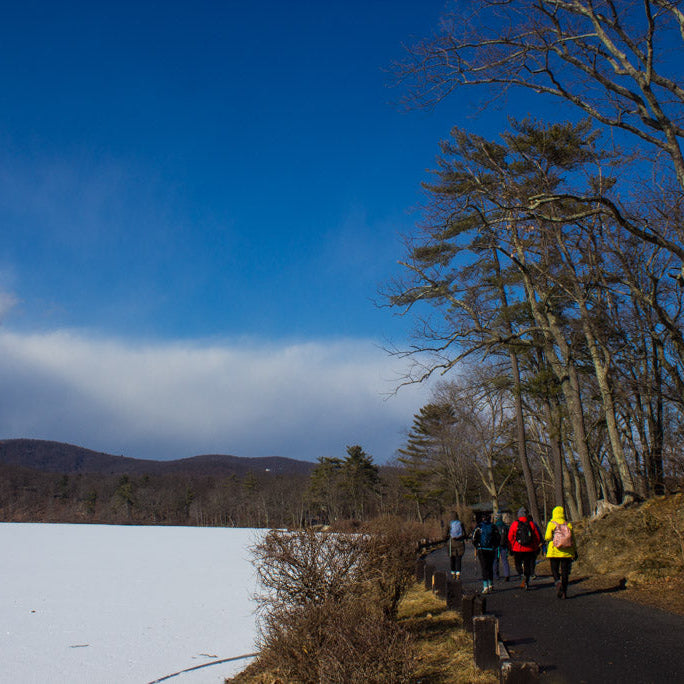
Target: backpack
x: 562, y: 536
x: 523, y: 535
x: 503, y: 534
x: 489, y: 536
x: 456, y: 530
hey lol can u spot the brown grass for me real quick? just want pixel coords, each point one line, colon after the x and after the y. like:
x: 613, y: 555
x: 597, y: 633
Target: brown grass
x: 444, y: 648
x: 641, y: 546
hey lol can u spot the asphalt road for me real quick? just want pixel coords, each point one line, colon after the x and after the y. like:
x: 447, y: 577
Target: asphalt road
x: 591, y: 637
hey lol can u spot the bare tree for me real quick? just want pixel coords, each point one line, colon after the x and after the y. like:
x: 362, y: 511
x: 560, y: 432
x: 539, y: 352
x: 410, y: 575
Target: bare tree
x: 484, y: 418
x: 611, y: 59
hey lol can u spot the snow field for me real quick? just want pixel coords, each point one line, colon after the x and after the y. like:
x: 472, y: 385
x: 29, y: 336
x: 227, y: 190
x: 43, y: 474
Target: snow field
x: 104, y: 603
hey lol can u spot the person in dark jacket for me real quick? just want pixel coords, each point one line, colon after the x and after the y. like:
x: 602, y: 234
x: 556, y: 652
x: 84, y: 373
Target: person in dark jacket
x: 524, y: 539
x: 501, y: 563
x: 486, y: 542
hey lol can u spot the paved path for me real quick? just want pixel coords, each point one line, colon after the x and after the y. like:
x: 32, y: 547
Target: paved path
x: 591, y: 637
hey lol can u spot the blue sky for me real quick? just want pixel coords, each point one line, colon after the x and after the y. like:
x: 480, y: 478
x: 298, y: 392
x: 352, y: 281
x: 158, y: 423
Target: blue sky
x: 199, y: 202
x: 208, y: 168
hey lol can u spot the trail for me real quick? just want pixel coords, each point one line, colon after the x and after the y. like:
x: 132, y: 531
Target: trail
x: 592, y: 637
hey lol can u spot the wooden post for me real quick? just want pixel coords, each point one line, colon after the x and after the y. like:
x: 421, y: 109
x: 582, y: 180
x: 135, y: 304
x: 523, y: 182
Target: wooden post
x: 454, y: 594
x: 420, y: 569
x: 479, y: 605
x: 467, y: 611
x: 439, y: 580
x: 485, y: 641
x: 429, y: 570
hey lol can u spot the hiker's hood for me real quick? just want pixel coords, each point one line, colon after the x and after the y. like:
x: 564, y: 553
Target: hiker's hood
x: 558, y: 514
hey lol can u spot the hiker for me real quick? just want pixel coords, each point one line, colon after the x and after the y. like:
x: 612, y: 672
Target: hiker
x: 561, y: 549
x: 457, y: 537
x: 486, y: 542
x: 524, y: 539
x: 501, y: 562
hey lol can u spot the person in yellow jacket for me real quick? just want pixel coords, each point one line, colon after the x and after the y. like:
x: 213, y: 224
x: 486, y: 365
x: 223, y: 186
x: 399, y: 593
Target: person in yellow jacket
x: 561, y: 549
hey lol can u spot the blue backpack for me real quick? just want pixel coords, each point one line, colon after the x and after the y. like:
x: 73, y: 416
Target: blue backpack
x: 489, y: 536
x: 456, y: 530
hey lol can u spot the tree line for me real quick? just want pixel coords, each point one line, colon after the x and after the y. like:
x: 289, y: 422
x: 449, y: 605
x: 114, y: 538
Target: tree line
x: 337, y: 489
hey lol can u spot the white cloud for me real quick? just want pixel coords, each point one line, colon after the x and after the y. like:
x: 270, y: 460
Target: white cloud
x: 172, y: 400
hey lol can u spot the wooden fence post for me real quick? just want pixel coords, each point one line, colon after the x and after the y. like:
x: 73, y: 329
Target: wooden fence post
x: 454, y: 594
x: 467, y: 611
x: 485, y: 642
x: 439, y: 583
x: 429, y: 571
x: 479, y: 605
x: 420, y: 569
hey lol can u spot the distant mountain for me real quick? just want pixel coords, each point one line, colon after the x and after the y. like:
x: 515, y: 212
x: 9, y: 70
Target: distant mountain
x: 57, y: 457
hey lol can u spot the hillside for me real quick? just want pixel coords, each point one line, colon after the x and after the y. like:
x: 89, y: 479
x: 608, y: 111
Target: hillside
x: 57, y: 457
x: 636, y: 551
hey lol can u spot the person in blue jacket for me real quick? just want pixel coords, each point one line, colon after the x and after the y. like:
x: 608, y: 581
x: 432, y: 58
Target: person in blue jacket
x: 486, y: 542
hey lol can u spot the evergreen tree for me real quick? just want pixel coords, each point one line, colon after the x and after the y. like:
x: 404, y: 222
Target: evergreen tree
x: 359, y: 480
x: 427, y: 448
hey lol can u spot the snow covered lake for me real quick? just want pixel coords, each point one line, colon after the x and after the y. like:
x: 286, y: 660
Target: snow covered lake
x: 105, y: 603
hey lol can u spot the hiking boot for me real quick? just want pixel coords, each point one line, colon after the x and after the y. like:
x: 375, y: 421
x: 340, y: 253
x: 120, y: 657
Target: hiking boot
x: 523, y: 584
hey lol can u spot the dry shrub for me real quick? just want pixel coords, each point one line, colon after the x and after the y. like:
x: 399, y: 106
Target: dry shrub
x: 390, y: 560
x: 337, y: 642
x: 327, y: 612
x: 304, y: 567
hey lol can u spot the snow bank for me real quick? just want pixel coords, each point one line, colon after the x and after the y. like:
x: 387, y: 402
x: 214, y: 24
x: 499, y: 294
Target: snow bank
x: 105, y: 603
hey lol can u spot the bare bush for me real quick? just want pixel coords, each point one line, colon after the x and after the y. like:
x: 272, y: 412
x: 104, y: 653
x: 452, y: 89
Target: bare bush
x: 304, y: 567
x: 327, y: 612
x: 390, y: 561
x: 341, y: 642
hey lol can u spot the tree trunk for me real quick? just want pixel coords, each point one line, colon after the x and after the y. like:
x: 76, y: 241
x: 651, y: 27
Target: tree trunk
x: 601, y: 373
x: 517, y: 392
x: 556, y: 446
x: 565, y: 371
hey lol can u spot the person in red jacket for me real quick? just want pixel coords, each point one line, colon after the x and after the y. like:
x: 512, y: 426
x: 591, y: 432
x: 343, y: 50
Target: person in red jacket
x: 524, y: 539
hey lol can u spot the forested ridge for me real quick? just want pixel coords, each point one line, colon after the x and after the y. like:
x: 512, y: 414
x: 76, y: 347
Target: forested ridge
x: 72, y: 484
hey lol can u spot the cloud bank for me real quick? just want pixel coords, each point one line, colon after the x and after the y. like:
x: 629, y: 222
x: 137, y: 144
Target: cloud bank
x: 172, y: 400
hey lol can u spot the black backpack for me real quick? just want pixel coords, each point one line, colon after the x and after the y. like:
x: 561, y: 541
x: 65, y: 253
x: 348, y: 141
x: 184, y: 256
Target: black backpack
x: 523, y: 535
